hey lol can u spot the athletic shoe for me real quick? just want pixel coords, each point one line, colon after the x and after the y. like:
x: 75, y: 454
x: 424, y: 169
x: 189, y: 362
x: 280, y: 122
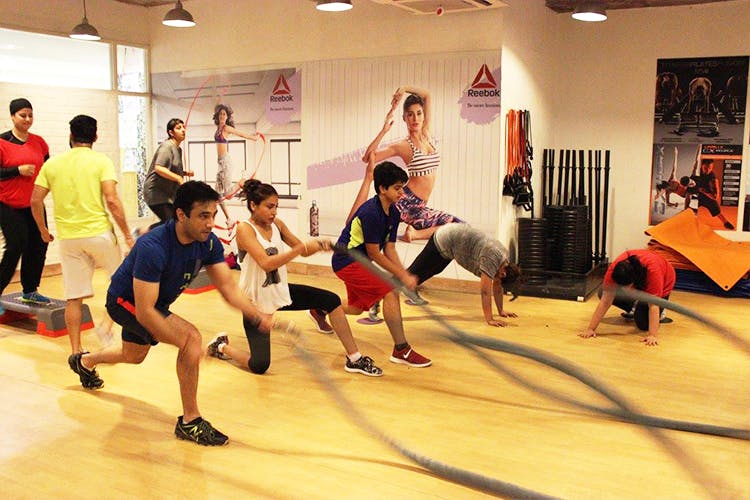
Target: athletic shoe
x: 35, y: 298
x: 319, y: 318
x: 629, y: 314
x: 417, y: 301
x: 199, y: 431
x: 213, y: 347
x: 89, y: 378
x: 372, y: 314
x: 409, y: 356
x: 363, y: 365
x: 663, y: 317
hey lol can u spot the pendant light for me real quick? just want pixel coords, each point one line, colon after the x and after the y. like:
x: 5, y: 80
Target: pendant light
x: 178, y: 17
x: 85, y: 31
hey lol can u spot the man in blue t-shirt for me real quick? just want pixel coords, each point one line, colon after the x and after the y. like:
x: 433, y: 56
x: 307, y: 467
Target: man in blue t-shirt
x: 372, y: 232
x: 159, y: 267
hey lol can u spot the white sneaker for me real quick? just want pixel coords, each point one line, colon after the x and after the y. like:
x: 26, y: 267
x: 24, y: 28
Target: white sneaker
x: 372, y: 314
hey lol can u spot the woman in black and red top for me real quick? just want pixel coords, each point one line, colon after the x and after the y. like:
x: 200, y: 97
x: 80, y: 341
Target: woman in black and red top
x: 643, y: 270
x: 21, y: 156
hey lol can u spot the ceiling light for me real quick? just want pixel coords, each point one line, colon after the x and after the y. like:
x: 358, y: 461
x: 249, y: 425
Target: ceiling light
x: 334, y: 5
x: 178, y: 17
x: 590, y: 11
x: 85, y: 31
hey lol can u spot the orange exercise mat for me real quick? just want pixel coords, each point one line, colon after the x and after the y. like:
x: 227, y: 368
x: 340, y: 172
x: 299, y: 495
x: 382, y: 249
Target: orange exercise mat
x: 724, y: 261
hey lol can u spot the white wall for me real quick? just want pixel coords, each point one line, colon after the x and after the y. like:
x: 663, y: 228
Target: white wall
x: 587, y: 85
x: 604, y: 95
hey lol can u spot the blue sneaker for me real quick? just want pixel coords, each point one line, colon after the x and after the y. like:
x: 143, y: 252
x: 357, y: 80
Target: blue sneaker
x: 35, y: 298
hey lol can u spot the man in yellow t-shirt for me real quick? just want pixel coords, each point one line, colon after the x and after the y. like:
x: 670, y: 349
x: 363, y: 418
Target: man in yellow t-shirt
x: 81, y: 181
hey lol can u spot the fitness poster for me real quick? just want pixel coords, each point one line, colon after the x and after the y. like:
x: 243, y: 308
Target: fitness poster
x: 700, y: 109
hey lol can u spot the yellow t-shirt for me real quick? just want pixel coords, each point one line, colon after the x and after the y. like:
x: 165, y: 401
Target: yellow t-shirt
x: 75, y: 180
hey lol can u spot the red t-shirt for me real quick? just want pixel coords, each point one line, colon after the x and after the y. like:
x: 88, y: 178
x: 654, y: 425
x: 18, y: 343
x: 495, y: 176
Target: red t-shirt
x: 660, y: 276
x: 16, y: 191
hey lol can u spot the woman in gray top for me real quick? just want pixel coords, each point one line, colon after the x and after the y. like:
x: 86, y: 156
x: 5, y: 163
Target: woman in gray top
x: 476, y: 252
x: 165, y: 173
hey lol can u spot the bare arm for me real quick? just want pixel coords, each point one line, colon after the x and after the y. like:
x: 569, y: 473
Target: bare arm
x: 114, y: 205
x: 608, y: 297
x: 390, y: 261
x: 221, y: 278
x: 247, y: 240
x: 653, y: 325
x: 231, y: 130
x: 37, y: 211
x: 146, y: 293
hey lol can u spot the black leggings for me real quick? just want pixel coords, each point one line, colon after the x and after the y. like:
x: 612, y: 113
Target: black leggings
x: 22, y: 242
x: 303, y: 297
x: 429, y: 262
x: 641, y: 311
x: 164, y: 211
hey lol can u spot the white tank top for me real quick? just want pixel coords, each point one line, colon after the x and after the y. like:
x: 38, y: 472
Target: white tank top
x: 268, y: 291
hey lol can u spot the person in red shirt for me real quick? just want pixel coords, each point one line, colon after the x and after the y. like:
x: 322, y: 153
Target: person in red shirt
x: 21, y: 157
x: 643, y: 270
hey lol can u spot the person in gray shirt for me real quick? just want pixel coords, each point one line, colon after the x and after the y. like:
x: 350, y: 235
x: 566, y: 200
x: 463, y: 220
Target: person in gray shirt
x: 165, y: 173
x: 476, y: 252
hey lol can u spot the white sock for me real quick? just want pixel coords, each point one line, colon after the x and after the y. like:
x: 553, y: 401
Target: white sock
x: 354, y: 357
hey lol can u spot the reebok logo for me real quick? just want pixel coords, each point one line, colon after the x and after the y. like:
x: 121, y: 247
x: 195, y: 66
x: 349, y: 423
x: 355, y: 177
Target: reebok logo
x: 281, y: 91
x: 484, y: 84
x: 281, y: 87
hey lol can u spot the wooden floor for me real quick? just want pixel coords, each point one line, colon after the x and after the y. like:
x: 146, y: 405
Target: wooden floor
x: 289, y: 438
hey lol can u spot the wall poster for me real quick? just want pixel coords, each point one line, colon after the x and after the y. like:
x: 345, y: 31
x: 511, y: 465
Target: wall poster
x: 699, y: 120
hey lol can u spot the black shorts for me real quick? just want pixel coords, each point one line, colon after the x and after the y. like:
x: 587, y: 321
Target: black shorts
x: 122, y: 312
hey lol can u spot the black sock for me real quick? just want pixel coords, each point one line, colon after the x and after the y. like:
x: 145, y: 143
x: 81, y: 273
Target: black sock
x: 401, y: 347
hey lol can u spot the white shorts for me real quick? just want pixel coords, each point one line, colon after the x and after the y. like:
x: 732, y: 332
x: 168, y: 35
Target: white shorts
x: 80, y: 256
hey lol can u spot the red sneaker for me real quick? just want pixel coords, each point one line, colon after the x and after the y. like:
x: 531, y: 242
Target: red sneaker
x: 319, y: 318
x: 409, y: 356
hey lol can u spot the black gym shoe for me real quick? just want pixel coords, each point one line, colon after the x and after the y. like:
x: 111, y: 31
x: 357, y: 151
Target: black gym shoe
x: 89, y: 378
x: 199, y: 431
x: 364, y: 365
x: 213, y: 347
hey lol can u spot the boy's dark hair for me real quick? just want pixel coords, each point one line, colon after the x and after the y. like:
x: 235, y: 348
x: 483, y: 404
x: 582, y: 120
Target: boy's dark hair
x: 192, y: 192
x: 83, y: 129
x: 256, y: 191
x: 630, y: 271
x: 171, y: 124
x: 684, y: 180
x: 386, y: 174
x: 512, y: 274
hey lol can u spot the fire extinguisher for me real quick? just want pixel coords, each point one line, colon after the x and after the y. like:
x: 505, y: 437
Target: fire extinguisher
x: 314, y: 224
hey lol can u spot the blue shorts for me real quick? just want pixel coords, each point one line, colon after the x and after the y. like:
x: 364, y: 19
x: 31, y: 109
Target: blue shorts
x: 122, y: 312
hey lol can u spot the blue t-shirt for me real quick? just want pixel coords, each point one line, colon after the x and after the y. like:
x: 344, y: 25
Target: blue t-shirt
x: 370, y: 224
x: 158, y: 257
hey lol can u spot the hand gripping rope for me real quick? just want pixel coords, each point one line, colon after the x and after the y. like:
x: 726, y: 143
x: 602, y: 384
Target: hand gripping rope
x: 624, y: 411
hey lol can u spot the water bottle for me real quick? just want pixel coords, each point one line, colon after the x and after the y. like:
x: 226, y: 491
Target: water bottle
x: 314, y: 224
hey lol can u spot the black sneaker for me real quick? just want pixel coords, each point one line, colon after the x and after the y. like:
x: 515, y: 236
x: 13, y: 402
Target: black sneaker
x: 363, y: 365
x: 213, y: 347
x: 89, y: 378
x: 199, y: 431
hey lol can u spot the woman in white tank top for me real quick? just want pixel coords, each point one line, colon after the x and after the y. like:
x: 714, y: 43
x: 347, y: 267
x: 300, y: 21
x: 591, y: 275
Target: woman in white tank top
x: 268, y: 245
